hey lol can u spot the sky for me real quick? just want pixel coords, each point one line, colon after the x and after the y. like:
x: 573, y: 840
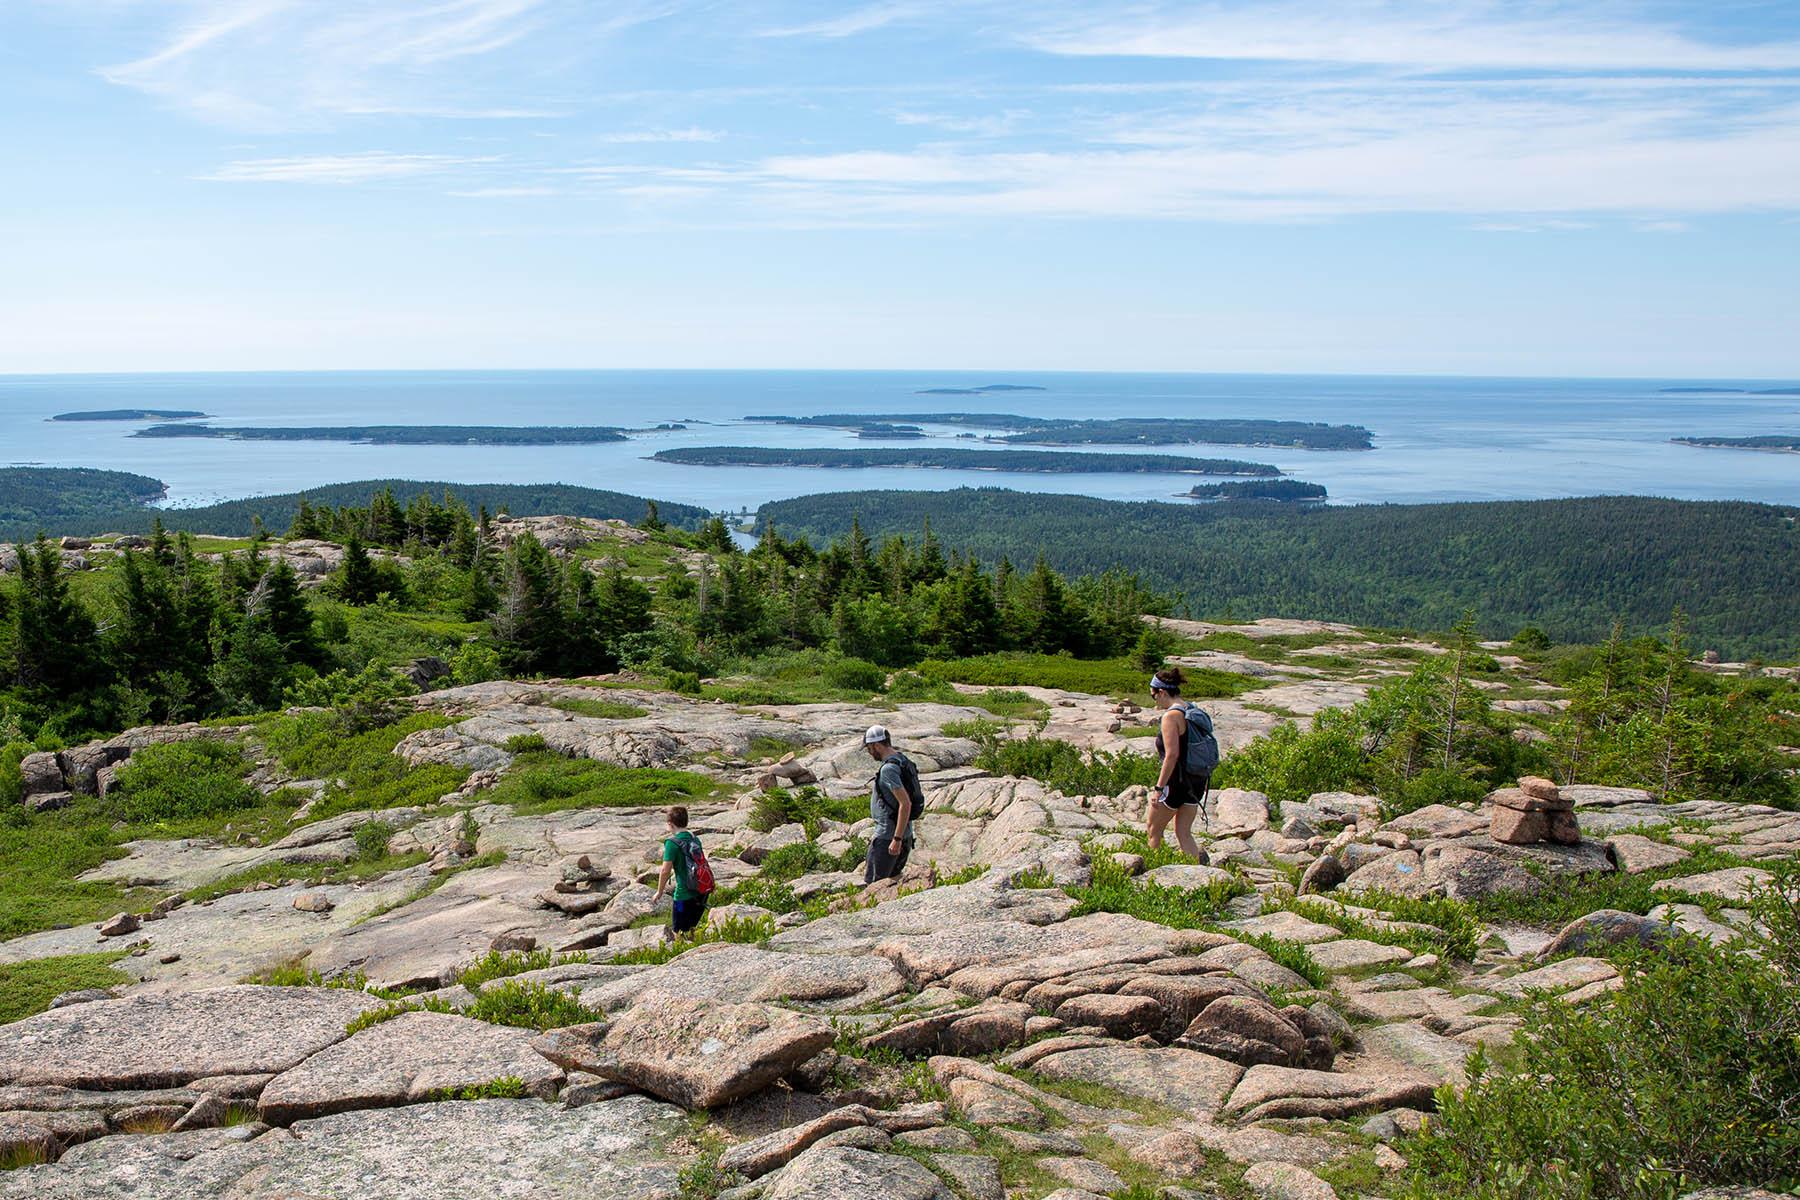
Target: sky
x: 1373, y: 186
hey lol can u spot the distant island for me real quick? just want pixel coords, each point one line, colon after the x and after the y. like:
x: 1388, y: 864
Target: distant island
x: 1767, y: 441
x: 130, y: 414
x: 976, y: 391
x: 1049, y: 462
x: 1285, y: 491
x: 400, y: 435
x: 1725, y: 391
x: 1122, y: 431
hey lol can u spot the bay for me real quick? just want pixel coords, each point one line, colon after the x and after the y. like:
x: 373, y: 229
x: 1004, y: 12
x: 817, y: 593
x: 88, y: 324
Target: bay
x: 1436, y: 438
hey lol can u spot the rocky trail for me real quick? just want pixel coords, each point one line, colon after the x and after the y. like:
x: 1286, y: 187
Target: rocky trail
x: 1042, y: 1006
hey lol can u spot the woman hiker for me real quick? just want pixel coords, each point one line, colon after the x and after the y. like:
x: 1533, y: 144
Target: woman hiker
x: 1179, y: 795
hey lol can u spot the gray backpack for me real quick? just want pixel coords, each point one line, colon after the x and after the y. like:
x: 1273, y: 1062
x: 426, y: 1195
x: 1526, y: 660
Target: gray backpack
x: 1202, y: 747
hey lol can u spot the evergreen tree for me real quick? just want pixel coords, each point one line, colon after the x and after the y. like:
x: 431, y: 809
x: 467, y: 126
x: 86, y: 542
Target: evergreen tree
x: 652, y: 521
x: 306, y: 523
x: 357, y: 582
x: 53, y: 635
x: 525, y: 621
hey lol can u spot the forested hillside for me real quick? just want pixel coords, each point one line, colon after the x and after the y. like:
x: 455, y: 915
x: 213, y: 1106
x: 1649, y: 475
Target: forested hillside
x: 1571, y: 567
x: 74, y: 501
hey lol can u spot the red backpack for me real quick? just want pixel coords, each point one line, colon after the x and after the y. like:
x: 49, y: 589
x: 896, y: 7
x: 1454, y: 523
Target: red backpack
x: 699, y: 870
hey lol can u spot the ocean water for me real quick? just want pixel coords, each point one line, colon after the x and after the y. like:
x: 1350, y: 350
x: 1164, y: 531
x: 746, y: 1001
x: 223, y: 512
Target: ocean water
x: 1436, y: 438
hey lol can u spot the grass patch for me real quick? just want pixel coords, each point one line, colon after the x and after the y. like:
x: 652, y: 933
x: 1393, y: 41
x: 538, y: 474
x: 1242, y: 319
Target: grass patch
x: 1457, y: 936
x: 363, y: 771
x: 541, y: 782
x: 308, y: 872
x: 1009, y: 704
x: 507, y: 1087
x: 1564, y: 898
x: 609, y: 710
x: 1292, y: 955
x: 27, y: 988
x: 741, y: 930
x: 390, y: 1010
x: 1114, y: 890
x: 500, y: 964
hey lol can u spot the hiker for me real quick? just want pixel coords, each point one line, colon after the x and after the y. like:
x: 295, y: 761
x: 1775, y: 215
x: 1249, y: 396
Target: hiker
x: 895, y: 801
x: 1189, y: 752
x: 685, y: 862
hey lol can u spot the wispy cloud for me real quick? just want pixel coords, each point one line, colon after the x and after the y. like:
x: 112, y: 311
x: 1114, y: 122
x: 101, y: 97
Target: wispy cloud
x: 273, y: 63
x: 862, y: 20
x: 1446, y: 35
x: 367, y: 167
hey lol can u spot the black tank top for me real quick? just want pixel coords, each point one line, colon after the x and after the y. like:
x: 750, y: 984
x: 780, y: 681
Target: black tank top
x: 1181, y: 757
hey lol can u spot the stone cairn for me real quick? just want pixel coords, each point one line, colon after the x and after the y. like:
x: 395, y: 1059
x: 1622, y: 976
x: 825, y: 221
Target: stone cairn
x: 1533, y: 812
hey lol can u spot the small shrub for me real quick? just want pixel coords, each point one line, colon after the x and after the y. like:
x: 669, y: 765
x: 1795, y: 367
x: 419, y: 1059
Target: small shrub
x: 807, y: 805
x: 685, y: 682
x: 526, y: 743
x: 500, y: 964
x: 1066, y: 767
x: 1035, y: 879
x: 910, y: 687
x: 1292, y: 955
x: 364, y: 701
x: 371, y: 839
x: 527, y: 1005
x: 977, y: 729
x: 182, y: 781
x: 475, y: 663
x: 394, y: 1008
x: 1006, y: 702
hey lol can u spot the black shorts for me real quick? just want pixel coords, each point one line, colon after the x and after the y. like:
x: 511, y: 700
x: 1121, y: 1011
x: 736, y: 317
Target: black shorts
x: 1183, y: 792
x: 882, y: 865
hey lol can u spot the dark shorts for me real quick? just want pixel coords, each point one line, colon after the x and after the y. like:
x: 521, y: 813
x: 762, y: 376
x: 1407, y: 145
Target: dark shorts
x: 1183, y: 792
x: 687, y: 914
x: 882, y: 865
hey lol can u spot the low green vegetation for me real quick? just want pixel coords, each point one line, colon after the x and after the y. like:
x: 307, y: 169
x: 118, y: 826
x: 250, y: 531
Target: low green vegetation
x: 1066, y: 767
x: 28, y: 987
x: 507, y: 1087
x: 609, y: 710
x: 742, y: 930
x: 503, y: 964
x: 1454, y: 927
x: 807, y: 805
x: 1687, y: 1077
x: 361, y: 768
x: 183, y: 780
x: 528, y: 1005
x: 1121, y: 676
x: 1114, y: 890
x: 1561, y: 899
x: 542, y: 782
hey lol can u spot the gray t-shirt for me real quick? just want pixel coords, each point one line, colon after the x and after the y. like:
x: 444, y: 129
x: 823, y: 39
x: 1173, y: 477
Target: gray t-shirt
x: 884, y: 800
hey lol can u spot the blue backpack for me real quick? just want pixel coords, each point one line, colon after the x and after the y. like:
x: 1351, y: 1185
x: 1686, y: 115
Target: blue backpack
x: 1202, y: 747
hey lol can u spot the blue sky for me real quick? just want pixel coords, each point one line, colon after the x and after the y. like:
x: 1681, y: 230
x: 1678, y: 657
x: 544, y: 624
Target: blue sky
x: 1452, y: 186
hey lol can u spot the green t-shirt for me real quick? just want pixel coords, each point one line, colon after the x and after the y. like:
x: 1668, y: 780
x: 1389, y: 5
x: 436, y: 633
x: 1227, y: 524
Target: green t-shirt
x: 677, y: 857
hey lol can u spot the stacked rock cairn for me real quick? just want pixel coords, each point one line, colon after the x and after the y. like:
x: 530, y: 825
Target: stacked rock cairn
x: 1535, y: 811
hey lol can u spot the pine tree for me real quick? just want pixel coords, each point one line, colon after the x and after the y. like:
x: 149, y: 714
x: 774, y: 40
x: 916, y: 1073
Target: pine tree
x: 53, y: 636
x: 652, y: 521
x: 306, y: 521
x: 357, y: 582
x: 525, y: 621
x: 283, y: 608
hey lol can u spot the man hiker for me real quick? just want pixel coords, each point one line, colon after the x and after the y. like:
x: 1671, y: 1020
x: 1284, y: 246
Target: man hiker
x: 895, y: 801
x: 680, y: 850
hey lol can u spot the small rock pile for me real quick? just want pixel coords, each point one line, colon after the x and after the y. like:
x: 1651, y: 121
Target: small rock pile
x: 581, y: 890
x: 1535, y: 811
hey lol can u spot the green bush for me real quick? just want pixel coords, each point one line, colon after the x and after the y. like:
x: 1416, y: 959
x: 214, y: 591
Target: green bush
x: 1287, y: 764
x: 1066, y: 767
x: 855, y: 675
x: 475, y: 663
x: 1686, y: 1077
x: 499, y: 964
x: 1005, y: 702
x: 363, y: 701
x: 180, y: 781
x: 807, y: 805
x: 371, y: 839
x: 528, y: 1005
x: 364, y: 770
x: 685, y: 682
x: 910, y: 687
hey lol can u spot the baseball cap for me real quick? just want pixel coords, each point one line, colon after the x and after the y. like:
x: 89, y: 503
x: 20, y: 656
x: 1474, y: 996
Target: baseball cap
x: 876, y: 733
